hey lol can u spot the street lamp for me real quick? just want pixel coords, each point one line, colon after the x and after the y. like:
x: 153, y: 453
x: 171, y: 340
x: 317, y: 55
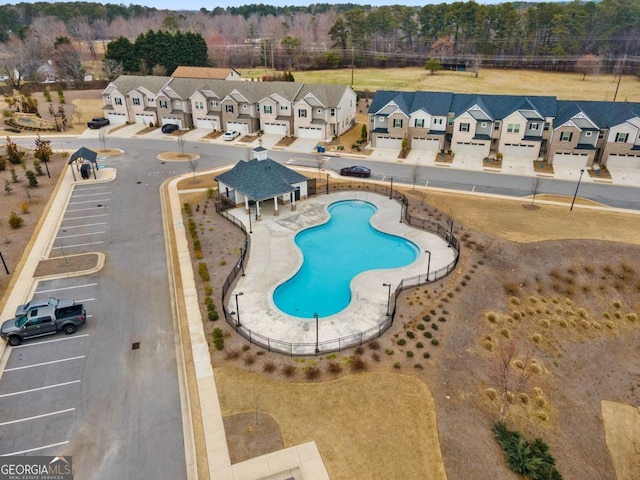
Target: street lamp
x: 428, y: 263
x: 6, y: 269
x: 391, y: 191
x: 327, y: 183
x: 238, y: 310
x: 315, y: 315
x: 250, y: 228
x: 577, y: 187
x: 388, y: 285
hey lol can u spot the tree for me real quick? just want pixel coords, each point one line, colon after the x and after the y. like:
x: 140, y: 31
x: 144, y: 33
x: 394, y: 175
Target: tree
x: 587, y: 64
x: 111, y: 69
x: 292, y: 46
x: 67, y: 62
x: 535, y: 186
x: 13, y: 153
x: 433, y: 65
x: 122, y: 51
x: 339, y: 34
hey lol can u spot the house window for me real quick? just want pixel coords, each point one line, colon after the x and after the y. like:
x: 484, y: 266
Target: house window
x: 513, y: 128
x: 163, y: 104
x: 117, y: 101
x: 546, y: 126
x: 587, y: 134
x: 381, y: 119
x: 535, y: 126
x: 136, y: 101
x: 397, y: 123
x: 419, y: 123
x: 284, y: 108
x: 151, y: 100
x: 319, y: 110
x: 621, y: 137
x: 199, y: 106
x: 483, y: 125
x: 244, y: 107
x: 438, y: 121
x: 333, y: 112
x: 302, y: 113
x: 566, y: 136
x: 464, y: 127
x: 496, y: 126
x: 213, y: 103
x: 228, y: 108
x: 267, y: 109
x: 600, y: 135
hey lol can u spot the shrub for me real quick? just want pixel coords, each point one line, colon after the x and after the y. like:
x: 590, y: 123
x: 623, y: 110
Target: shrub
x: 427, y: 318
x: 15, y: 221
x: 401, y: 341
x: 491, y: 393
x: 38, y: 168
x: 375, y: 356
x: 312, y: 373
x: 33, y: 181
x: 435, y: 341
x: 536, y: 338
x: 203, y: 271
x: 374, y: 345
x: 524, y: 398
x: 250, y: 359
x: 359, y: 350
x: 492, y: 317
x: 410, y: 334
x: 289, y: 370
x: 428, y: 334
x: 218, y: 340
x: 409, y: 354
x: 632, y: 317
x: 419, y: 345
x: 487, y: 345
x: 358, y: 364
x: 434, y: 326
x: 388, y: 351
x: 426, y: 354
x: 420, y: 326
x: 268, y: 366
x: 334, y: 367
x: 24, y: 207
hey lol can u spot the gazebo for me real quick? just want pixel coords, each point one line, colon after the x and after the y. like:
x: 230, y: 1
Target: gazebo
x: 261, y: 179
x: 81, y: 156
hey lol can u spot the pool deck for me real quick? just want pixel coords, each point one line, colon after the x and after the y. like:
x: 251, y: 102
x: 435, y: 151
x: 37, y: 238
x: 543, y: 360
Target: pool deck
x: 274, y: 257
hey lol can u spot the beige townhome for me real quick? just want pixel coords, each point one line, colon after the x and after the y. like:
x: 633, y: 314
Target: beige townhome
x: 283, y: 108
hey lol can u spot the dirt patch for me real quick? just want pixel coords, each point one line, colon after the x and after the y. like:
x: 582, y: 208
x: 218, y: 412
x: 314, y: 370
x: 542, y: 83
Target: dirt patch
x: 251, y: 434
x: 66, y: 265
x: 543, y: 167
x: 286, y: 141
x: 622, y: 430
x: 177, y: 156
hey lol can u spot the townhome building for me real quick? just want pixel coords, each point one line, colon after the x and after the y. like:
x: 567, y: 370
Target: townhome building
x: 516, y: 128
x: 284, y: 108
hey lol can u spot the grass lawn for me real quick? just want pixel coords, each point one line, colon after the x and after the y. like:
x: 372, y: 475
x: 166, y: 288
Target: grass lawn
x: 565, y: 86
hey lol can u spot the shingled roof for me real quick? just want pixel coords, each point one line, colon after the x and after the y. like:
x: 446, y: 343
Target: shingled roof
x: 202, y: 72
x: 261, y: 179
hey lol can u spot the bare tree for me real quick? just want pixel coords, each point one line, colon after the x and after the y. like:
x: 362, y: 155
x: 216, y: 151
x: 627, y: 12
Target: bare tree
x: 68, y: 63
x: 181, y: 145
x: 103, y: 140
x: 535, y: 185
x: 415, y: 174
x: 111, y: 69
x: 587, y: 64
x: 512, y: 380
x: 193, y: 165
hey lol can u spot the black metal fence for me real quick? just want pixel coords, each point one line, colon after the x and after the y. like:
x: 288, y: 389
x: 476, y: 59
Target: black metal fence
x: 341, y: 343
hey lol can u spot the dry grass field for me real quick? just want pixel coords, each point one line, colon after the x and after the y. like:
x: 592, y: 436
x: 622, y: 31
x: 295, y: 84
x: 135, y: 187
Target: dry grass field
x: 565, y: 86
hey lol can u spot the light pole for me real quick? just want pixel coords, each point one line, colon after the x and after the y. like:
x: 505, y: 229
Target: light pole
x: 4, y: 263
x: 391, y: 191
x: 315, y: 315
x: 238, y: 310
x: 250, y: 229
x: 577, y: 187
x: 327, y: 184
x: 388, y: 285
x: 428, y: 263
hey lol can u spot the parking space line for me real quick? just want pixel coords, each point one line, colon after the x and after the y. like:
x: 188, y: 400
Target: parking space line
x: 79, y: 235
x: 34, y: 449
x: 67, y: 288
x: 85, y: 225
x: 39, y: 388
x: 83, y: 300
x: 88, y: 216
x: 43, y: 364
x: 83, y: 209
x: 84, y: 201
x: 35, y: 344
x: 91, y: 194
x: 78, y: 245
x: 38, y: 416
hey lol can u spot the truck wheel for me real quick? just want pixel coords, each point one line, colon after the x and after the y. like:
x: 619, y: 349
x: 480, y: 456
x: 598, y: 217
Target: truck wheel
x: 14, y: 341
x: 70, y: 329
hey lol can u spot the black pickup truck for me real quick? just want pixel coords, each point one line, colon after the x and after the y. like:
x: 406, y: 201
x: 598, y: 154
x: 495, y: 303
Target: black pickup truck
x: 48, y: 320
x: 98, y: 122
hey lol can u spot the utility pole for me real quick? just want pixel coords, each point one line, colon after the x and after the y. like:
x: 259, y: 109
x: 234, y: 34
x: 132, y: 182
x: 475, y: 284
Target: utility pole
x: 620, y: 77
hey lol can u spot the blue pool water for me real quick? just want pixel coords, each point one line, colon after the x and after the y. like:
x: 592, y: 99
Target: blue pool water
x: 333, y: 254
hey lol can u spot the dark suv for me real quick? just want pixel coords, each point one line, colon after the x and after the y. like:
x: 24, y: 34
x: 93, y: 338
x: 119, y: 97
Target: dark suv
x: 169, y: 127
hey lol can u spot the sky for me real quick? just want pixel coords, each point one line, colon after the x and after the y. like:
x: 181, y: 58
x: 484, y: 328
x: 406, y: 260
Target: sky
x: 210, y: 5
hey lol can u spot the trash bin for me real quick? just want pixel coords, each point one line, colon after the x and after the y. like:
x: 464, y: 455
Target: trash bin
x: 320, y: 149
x: 84, y: 170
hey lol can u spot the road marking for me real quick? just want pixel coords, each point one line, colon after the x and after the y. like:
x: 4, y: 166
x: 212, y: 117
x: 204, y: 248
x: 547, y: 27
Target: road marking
x: 80, y: 235
x: 37, y: 416
x: 473, y: 189
x: 78, y: 245
x: 84, y: 209
x: 83, y: 300
x: 91, y: 194
x: 61, y: 339
x: 426, y: 184
x: 40, y: 388
x: 42, y: 364
x: 67, y: 288
x: 88, y: 216
x: 84, y: 201
x: 85, y: 225
x: 34, y: 449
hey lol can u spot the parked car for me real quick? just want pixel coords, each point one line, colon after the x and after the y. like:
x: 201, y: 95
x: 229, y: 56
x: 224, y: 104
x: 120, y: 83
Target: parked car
x: 169, y: 127
x: 35, y: 303
x: 98, y: 122
x: 355, y: 171
x: 230, y: 135
x: 47, y: 321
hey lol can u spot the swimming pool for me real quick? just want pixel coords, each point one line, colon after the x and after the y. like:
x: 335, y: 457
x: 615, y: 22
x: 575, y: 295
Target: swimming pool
x: 333, y: 254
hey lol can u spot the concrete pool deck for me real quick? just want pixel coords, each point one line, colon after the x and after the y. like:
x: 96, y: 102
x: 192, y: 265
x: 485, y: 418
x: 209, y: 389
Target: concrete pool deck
x: 274, y: 257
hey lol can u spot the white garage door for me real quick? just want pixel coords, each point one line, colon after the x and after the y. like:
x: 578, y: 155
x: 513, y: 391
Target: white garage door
x: 275, y: 128
x: 117, y: 118
x: 310, y: 132
x: 243, y: 128
x: 472, y: 150
x: 388, y: 142
x: 204, y: 122
x: 425, y: 143
x: 174, y: 121
x: 623, y: 161
x: 572, y: 160
x: 521, y: 151
x: 145, y: 118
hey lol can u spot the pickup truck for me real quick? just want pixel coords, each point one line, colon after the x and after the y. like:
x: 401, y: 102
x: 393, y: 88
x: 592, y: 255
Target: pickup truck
x: 47, y: 321
x: 98, y: 122
x: 35, y: 303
